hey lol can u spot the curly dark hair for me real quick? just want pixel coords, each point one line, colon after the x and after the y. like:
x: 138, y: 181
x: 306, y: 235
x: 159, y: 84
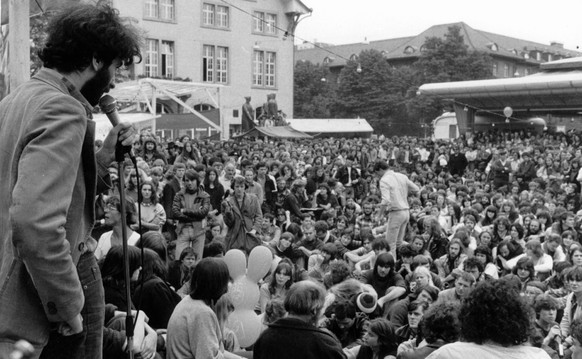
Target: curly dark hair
x: 494, y: 311
x: 84, y: 31
x: 441, y: 321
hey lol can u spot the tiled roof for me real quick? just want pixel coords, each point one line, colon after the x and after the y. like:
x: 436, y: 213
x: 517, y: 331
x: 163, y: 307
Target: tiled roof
x: 317, y: 55
x: 409, y: 47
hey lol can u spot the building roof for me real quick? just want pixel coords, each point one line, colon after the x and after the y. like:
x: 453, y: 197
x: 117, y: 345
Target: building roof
x: 133, y: 91
x: 410, y: 47
x: 330, y: 125
x: 559, y: 90
x: 317, y: 55
x: 275, y: 132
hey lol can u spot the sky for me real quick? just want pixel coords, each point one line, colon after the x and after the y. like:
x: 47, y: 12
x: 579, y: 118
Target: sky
x: 351, y: 21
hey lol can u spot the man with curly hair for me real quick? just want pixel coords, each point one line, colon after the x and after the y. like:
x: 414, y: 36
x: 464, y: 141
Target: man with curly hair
x: 50, y: 285
x: 495, y: 323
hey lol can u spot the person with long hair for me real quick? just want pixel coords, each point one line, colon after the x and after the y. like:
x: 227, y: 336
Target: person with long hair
x: 194, y: 329
x: 215, y: 189
x: 380, y: 342
x: 573, y: 310
x: 483, y: 254
x: 153, y: 295
x: 113, y: 273
x: 543, y: 262
x: 180, y: 271
x: 495, y: 323
x: 153, y: 215
x: 389, y: 285
x: 277, y: 287
x: 435, y: 237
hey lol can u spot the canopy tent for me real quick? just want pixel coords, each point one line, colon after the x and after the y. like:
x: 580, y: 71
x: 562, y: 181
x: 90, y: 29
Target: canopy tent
x: 557, y: 87
x: 275, y: 132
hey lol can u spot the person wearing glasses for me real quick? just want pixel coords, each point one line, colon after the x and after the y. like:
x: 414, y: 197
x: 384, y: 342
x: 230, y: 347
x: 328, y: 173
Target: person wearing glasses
x: 113, y: 219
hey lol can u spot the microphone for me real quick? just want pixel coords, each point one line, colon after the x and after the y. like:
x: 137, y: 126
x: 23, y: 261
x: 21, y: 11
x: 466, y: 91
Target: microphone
x: 109, y: 105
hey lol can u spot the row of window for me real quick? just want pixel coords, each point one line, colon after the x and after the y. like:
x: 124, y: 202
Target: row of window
x: 213, y: 15
x: 509, y: 71
x: 159, y: 62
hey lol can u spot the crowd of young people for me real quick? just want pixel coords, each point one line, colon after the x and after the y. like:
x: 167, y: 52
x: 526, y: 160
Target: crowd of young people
x: 492, y: 207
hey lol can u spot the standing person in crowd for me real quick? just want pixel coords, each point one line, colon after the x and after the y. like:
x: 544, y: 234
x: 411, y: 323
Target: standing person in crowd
x: 500, y: 169
x: 495, y: 323
x: 214, y: 189
x: 193, y: 328
x: 297, y: 335
x: 190, y: 208
x: 50, y: 175
x: 395, y: 189
x: 153, y: 215
x: 242, y: 215
x: 174, y: 184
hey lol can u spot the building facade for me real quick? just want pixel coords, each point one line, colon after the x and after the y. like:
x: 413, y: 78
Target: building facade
x: 512, y: 57
x: 243, y: 46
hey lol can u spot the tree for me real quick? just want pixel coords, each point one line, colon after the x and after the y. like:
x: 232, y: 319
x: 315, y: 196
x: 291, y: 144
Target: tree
x: 443, y: 60
x: 364, y: 87
x: 313, y: 94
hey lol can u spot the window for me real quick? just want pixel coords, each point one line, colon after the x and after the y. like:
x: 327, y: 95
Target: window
x: 494, y: 69
x: 151, y: 60
x: 167, y: 60
x: 160, y: 9
x: 265, y: 23
x: 215, y: 64
x: 167, y: 9
x: 505, y: 70
x: 159, y: 61
x: 264, y: 68
x: 215, y: 16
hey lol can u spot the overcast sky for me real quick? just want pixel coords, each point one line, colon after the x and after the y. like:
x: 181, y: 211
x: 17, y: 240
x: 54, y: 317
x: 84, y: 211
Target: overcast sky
x: 349, y: 21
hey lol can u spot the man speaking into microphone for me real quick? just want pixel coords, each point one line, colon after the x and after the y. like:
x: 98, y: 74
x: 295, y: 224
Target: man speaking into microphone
x: 50, y: 286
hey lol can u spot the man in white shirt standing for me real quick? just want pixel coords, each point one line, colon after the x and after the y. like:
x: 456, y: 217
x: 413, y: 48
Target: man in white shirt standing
x: 395, y: 189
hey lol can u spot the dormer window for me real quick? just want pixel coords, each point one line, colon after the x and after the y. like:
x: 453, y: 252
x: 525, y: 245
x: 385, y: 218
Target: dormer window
x: 354, y: 57
x: 492, y: 46
x: 514, y: 51
x: 409, y: 50
x: 526, y: 55
x: 328, y: 60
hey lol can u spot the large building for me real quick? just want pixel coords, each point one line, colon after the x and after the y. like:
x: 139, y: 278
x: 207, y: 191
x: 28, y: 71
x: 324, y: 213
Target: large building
x: 242, y: 46
x: 511, y: 57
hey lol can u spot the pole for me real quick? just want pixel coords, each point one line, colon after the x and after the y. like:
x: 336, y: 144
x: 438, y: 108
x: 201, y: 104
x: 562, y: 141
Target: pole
x: 19, y: 42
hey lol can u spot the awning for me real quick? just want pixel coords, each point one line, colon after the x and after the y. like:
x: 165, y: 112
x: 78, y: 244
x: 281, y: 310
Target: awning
x: 544, y: 90
x: 275, y: 132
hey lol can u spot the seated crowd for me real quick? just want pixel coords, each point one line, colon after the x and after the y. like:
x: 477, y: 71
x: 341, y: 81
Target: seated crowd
x: 497, y: 225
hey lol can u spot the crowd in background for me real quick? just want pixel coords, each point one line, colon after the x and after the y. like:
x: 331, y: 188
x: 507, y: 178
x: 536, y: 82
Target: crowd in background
x: 492, y: 207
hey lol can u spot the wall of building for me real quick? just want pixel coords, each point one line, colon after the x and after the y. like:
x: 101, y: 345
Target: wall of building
x: 189, y: 36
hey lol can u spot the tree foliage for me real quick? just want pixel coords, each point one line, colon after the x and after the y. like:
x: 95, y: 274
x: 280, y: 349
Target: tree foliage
x: 314, y: 94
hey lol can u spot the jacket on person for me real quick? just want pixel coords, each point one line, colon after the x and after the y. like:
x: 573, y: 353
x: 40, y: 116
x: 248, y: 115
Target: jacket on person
x: 197, y: 213
x: 48, y: 178
x: 290, y: 338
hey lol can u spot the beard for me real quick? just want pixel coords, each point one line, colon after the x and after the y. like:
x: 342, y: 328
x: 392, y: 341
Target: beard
x: 93, y: 89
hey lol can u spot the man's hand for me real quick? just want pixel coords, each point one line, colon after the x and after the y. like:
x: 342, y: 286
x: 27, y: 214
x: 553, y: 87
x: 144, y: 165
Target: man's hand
x: 71, y: 327
x: 124, y: 133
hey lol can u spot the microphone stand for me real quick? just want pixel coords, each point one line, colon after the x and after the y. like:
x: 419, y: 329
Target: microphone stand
x: 120, y: 152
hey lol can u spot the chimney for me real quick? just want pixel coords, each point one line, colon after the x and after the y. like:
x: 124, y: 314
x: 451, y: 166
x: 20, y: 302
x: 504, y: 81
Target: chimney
x: 557, y: 44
